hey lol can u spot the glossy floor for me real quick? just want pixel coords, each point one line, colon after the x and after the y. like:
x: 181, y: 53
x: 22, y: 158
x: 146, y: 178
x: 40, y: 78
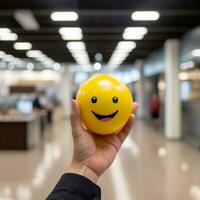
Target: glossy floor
x: 147, y: 167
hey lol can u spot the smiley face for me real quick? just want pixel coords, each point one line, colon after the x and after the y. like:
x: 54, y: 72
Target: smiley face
x: 106, y: 104
x: 104, y: 117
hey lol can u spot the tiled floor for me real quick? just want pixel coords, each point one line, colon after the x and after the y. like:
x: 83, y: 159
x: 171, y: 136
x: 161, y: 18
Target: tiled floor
x: 147, y: 167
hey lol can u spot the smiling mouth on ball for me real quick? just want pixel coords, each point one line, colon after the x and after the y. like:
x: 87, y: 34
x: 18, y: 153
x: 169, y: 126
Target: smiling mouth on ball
x: 104, y: 117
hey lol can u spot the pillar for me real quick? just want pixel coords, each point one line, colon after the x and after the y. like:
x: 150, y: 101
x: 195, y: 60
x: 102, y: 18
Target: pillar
x: 141, y: 97
x: 172, y: 94
x: 66, y: 92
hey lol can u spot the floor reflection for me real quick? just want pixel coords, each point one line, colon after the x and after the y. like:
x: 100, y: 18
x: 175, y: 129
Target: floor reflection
x: 147, y: 167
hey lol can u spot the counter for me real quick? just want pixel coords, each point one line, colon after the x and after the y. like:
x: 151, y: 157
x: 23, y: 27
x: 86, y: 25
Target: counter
x: 20, y: 132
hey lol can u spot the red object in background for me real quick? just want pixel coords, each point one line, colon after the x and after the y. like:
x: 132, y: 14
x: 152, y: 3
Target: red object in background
x: 154, y: 106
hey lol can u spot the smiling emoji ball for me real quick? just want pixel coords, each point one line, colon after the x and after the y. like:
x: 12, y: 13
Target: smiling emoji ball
x: 105, y: 104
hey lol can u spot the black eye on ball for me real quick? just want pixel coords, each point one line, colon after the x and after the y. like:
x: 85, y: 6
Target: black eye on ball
x: 94, y: 99
x: 115, y: 99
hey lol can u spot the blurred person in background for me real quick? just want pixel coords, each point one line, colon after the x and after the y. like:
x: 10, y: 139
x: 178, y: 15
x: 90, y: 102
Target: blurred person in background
x: 154, y: 106
x: 93, y: 154
x: 42, y: 102
x: 37, y: 102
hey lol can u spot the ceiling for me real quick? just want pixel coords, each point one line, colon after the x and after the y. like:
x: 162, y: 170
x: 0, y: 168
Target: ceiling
x: 102, y: 22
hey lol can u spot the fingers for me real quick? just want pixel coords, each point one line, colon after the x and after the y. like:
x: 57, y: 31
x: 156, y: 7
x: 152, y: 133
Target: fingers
x: 75, y: 118
x: 127, y: 128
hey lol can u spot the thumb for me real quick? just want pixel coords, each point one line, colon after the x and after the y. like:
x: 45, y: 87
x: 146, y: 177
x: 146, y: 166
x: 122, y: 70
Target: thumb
x: 76, y: 119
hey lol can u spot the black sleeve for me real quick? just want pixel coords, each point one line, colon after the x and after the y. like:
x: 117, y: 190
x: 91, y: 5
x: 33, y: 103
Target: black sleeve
x: 75, y: 187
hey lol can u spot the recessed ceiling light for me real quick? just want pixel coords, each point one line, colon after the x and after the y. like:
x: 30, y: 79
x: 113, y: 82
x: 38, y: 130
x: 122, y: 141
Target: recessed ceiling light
x: 9, y: 37
x: 98, y: 57
x: 56, y: 66
x: 196, y: 53
x: 64, y: 16
x: 22, y: 45
x: 145, y: 16
x: 30, y: 66
x: 97, y: 66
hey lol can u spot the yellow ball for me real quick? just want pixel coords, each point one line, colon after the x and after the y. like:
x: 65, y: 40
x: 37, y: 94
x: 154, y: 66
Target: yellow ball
x: 105, y: 104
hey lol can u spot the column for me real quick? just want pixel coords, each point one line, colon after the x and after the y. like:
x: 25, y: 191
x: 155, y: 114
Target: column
x: 142, y: 110
x: 66, y: 92
x: 172, y: 94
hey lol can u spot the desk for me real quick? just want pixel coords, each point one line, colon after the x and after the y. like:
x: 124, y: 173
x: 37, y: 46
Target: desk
x: 19, y: 132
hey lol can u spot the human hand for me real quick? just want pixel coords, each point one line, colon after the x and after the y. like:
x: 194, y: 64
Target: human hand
x: 93, y: 153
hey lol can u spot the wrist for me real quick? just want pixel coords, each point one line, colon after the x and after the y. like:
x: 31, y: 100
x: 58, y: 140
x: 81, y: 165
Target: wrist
x: 83, y: 170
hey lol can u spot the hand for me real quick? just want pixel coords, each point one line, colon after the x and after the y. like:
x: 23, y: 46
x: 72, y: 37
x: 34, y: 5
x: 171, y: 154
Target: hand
x: 93, y: 153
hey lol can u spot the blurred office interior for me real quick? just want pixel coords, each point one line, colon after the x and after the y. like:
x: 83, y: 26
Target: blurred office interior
x: 49, y: 48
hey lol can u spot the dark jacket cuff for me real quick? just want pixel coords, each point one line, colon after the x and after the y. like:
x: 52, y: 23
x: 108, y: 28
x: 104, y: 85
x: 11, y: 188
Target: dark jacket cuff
x: 75, y: 187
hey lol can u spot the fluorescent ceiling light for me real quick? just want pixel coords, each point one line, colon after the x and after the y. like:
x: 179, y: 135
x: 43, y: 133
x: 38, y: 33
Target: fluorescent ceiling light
x: 77, y: 51
x: 9, y: 37
x: 114, y: 60
x: 121, y: 52
x: 145, y: 16
x: 2, y: 54
x: 80, y: 54
x: 48, y: 63
x: 46, y: 60
x: 84, y: 57
x: 4, y: 31
x: 126, y: 45
x: 136, y: 30
x: 132, y: 36
x: 119, y: 57
x: 8, y: 57
x: 118, y: 54
x: 34, y: 53
x: 22, y: 45
x: 70, y: 30
x: 64, y: 16
x: 76, y: 45
x: 26, y: 19
x: 196, y: 53
x: 72, y: 36
x: 42, y: 58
